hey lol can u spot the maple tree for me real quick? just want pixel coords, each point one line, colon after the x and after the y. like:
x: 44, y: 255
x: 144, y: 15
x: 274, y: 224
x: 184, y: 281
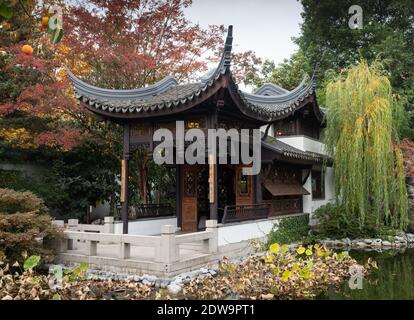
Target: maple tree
x: 33, y: 98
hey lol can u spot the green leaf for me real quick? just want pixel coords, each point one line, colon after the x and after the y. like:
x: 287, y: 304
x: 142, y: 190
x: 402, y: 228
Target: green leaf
x: 84, y: 267
x: 31, y: 262
x: 5, y: 11
x: 342, y: 255
x: 305, y: 273
x: 56, y: 296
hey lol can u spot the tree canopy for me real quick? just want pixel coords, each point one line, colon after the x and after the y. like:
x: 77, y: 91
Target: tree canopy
x: 387, y: 35
x: 361, y: 137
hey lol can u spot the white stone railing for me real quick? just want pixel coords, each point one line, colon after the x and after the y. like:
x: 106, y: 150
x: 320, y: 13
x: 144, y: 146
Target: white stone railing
x: 166, y: 246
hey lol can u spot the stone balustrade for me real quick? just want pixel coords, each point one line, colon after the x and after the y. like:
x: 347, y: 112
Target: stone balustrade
x: 84, y: 240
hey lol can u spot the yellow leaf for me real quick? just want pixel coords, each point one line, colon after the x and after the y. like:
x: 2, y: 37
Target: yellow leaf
x: 319, y: 252
x: 286, y: 275
x: 300, y: 250
x: 274, y: 248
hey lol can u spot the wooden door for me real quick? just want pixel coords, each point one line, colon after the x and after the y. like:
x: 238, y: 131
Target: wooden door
x: 189, y: 221
x: 244, y: 188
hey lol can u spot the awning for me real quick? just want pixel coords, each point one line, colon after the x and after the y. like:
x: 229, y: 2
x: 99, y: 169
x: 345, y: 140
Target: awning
x: 285, y: 189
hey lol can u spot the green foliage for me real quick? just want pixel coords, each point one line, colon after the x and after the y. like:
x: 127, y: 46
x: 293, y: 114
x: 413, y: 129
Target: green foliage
x: 25, y: 227
x: 6, y: 11
x: 362, y: 138
x: 289, y: 229
x: 74, y: 179
x: 56, y: 296
x: 77, y: 274
x: 334, y: 222
x: 387, y: 34
x: 31, y: 263
x: 287, y: 74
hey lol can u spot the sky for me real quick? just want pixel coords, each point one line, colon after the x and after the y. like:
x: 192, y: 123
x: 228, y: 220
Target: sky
x: 264, y: 26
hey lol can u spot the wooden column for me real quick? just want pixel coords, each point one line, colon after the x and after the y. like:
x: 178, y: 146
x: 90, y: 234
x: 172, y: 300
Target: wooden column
x: 124, y: 180
x: 213, y: 185
x: 257, y: 183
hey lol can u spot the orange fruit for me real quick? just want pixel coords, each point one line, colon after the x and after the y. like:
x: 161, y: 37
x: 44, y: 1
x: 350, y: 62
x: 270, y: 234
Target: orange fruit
x: 45, y: 21
x: 27, y: 49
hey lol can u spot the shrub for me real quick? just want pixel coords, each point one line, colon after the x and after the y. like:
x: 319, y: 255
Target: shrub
x: 12, y: 202
x: 290, y: 229
x: 25, y: 226
x: 335, y: 222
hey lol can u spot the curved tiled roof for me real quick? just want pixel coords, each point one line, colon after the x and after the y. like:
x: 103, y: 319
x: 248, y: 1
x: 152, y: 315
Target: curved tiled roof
x: 288, y: 151
x: 270, y: 89
x: 280, y: 106
x: 269, y: 103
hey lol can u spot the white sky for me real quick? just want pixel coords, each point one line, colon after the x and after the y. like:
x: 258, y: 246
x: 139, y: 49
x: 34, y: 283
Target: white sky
x: 264, y: 26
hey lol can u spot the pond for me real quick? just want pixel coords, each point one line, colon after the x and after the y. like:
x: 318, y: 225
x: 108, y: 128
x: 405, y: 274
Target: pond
x: 394, y: 279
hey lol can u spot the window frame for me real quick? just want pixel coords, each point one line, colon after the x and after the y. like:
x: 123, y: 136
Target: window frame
x: 318, y: 175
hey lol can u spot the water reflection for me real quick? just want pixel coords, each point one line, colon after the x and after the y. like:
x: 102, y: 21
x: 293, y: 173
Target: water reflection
x: 394, y: 279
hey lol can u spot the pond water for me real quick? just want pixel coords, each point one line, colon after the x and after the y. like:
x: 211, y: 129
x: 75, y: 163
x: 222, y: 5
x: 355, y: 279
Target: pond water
x: 394, y: 279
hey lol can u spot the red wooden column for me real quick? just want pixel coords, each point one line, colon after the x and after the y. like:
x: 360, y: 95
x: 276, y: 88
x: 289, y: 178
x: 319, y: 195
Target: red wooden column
x: 124, y: 179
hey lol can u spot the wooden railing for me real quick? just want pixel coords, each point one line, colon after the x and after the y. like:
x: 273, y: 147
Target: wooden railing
x: 284, y: 206
x: 245, y: 212
x: 151, y: 211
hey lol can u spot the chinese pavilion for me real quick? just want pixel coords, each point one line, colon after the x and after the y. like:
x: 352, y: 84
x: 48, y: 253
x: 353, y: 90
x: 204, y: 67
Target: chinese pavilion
x: 292, y: 175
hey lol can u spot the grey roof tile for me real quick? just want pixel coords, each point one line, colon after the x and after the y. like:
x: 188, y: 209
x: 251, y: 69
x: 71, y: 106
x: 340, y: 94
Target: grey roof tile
x: 168, y: 94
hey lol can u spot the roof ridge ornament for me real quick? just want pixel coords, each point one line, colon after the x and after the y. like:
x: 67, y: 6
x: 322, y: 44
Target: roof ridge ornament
x: 225, y: 61
x: 228, y: 46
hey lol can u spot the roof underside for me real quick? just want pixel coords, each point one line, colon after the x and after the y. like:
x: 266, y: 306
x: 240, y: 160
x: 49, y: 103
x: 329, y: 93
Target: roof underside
x: 267, y: 104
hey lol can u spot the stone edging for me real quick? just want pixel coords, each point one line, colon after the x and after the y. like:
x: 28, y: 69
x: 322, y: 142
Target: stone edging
x: 400, y: 241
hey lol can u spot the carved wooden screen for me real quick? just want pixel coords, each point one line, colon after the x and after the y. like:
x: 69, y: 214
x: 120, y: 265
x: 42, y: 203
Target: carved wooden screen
x: 189, y: 199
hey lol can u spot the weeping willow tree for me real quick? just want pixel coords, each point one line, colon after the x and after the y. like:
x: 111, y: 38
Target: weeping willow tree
x: 361, y: 136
